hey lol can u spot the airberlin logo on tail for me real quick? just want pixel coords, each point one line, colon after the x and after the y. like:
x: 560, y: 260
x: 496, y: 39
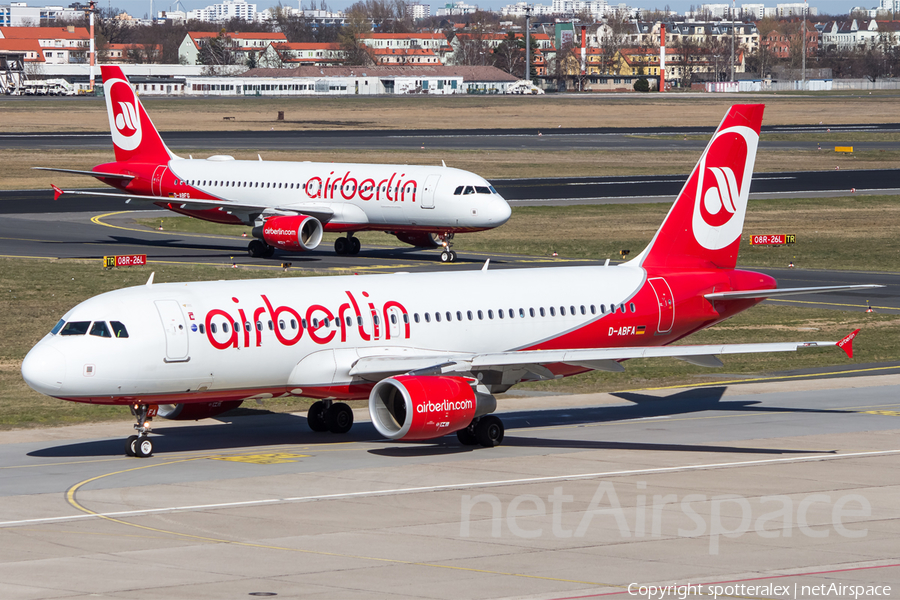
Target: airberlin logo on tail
x: 124, y: 114
x: 723, y: 184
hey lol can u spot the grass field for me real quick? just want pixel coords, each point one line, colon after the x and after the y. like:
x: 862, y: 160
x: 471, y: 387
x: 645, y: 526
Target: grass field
x: 17, y: 170
x: 451, y: 112
x: 851, y: 232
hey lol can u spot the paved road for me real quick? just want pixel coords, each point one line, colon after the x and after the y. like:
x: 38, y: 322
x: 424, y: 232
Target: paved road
x: 587, y: 495
x: 82, y: 235
x: 605, y: 138
x: 561, y: 190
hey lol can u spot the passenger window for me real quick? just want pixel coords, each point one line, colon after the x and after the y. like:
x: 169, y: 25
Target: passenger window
x: 632, y: 307
x: 490, y: 314
x: 416, y: 317
x: 271, y: 326
x: 315, y: 323
x: 405, y: 319
x: 511, y: 313
x: 469, y: 314
x: 531, y: 312
x: 294, y: 324
x: 541, y: 310
x: 57, y: 327
x: 236, y: 326
x: 224, y: 327
x: 552, y: 312
x: 522, y: 313
x: 427, y: 318
x: 622, y: 308
x: 100, y: 329
x: 75, y: 328
x: 393, y: 319
x: 593, y: 309
x: 562, y: 311
x: 480, y: 315
x: 572, y: 310
x: 202, y: 330
x: 212, y: 327
x: 259, y: 325
x: 359, y: 321
x: 458, y: 315
x: 377, y: 322
x: 437, y: 317
x: 247, y: 326
x: 602, y: 309
x: 349, y: 321
x: 280, y: 325
x: 500, y: 313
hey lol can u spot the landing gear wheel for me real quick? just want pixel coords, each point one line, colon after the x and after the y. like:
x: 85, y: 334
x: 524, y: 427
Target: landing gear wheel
x: 452, y: 256
x: 445, y: 257
x: 257, y: 248
x: 315, y: 418
x: 129, y: 445
x: 339, y: 418
x: 489, y: 431
x: 341, y: 246
x: 354, y: 246
x: 143, y: 447
x: 467, y: 437
x: 270, y: 251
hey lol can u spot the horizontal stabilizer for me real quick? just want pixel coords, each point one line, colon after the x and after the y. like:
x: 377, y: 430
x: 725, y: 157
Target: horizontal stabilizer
x: 750, y: 294
x: 97, y: 174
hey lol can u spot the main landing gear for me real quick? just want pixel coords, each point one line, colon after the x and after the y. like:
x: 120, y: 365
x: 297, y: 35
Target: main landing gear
x: 260, y: 249
x: 140, y: 445
x: 486, y: 430
x: 447, y: 255
x: 327, y: 415
x: 347, y: 245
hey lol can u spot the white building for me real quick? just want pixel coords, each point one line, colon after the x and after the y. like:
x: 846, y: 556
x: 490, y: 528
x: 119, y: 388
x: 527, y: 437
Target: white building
x: 795, y: 10
x: 19, y: 14
x: 460, y: 8
x: 419, y: 11
x: 227, y: 10
x: 518, y: 9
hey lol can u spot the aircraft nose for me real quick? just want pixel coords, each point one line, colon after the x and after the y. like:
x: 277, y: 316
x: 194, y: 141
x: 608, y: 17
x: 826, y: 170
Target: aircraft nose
x: 501, y: 211
x: 44, y: 369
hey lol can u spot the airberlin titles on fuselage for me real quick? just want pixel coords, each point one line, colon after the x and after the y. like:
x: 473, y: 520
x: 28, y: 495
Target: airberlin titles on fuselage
x: 288, y: 324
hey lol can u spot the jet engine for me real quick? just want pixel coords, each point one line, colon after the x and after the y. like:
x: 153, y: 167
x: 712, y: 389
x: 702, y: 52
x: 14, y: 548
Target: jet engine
x: 411, y: 407
x: 195, y: 411
x: 296, y: 233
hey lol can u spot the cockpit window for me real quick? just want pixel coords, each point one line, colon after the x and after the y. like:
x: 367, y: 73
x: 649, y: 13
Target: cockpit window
x: 75, y: 328
x: 469, y: 190
x: 119, y: 330
x: 493, y: 191
x: 57, y: 327
x: 458, y: 191
x: 100, y: 329
x: 482, y: 189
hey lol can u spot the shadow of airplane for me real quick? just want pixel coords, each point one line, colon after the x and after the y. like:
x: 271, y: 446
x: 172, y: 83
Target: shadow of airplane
x: 249, y: 428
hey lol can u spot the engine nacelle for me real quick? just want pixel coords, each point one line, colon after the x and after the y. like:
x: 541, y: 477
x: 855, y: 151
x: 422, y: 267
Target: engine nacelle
x: 195, y: 411
x: 294, y: 233
x: 411, y: 407
x: 419, y: 239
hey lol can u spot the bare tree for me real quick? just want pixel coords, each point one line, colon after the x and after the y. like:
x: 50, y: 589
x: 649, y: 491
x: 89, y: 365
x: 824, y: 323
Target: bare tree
x: 350, y: 36
x: 510, y: 55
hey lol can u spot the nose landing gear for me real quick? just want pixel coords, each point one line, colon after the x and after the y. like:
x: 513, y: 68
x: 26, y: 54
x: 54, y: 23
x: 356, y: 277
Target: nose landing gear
x: 447, y: 255
x: 140, y: 445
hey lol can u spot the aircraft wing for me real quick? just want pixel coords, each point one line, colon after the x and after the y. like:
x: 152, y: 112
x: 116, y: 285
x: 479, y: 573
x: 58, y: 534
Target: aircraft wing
x: 531, y: 364
x: 91, y: 173
x: 317, y: 211
x: 748, y: 294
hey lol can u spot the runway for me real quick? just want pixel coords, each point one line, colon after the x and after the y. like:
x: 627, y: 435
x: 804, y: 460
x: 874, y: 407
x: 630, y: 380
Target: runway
x: 756, y: 484
x: 546, y: 139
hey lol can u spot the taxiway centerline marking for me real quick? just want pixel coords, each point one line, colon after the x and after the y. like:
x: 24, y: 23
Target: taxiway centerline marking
x: 434, y: 488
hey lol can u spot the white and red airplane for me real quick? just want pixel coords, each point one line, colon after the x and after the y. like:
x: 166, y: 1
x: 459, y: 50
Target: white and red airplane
x: 290, y: 204
x: 428, y: 350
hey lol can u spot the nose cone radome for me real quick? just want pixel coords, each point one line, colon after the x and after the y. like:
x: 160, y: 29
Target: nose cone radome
x: 44, y: 369
x: 500, y: 211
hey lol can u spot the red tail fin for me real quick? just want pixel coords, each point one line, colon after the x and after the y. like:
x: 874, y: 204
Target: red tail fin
x: 133, y: 134
x: 703, y: 228
x: 846, y: 344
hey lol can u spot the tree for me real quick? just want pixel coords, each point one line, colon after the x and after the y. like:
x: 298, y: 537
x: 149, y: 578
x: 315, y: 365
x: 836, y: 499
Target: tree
x: 217, y: 52
x: 509, y: 55
x: 611, y: 37
x: 350, y: 36
x: 295, y: 28
x: 686, y: 58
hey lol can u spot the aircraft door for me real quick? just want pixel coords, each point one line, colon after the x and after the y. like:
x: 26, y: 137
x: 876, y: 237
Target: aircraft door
x: 665, y: 301
x: 176, y: 331
x: 428, y: 191
x: 156, y: 182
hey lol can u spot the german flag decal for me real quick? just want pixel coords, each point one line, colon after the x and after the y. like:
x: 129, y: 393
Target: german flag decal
x: 641, y: 329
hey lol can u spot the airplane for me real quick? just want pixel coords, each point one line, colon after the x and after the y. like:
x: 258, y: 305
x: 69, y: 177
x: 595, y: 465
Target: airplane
x: 428, y: 350
x: 289, y: 204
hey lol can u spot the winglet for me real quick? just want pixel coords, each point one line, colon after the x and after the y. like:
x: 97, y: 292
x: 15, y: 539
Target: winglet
x: 150, y: 281
x: 56, y: 192
x: 846, y: 344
